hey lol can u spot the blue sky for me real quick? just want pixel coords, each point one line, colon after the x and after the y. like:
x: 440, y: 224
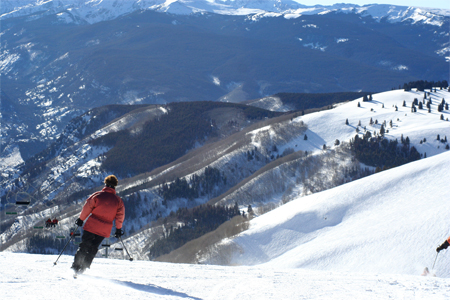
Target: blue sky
x: 419, y: 3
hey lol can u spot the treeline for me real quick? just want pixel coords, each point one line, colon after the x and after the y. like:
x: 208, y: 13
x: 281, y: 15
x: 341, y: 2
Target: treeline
x: 197, y: 222
x: 301, y: 101
x: 422, y: 85
x: 167, y: 138
x: 198, y: 185
x: 40, y: 244
x: 383, y: 153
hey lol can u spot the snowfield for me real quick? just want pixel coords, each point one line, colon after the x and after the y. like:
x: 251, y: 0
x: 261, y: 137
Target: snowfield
x: 34, y: 277
x: 390, y: 222
x: 368, y: 239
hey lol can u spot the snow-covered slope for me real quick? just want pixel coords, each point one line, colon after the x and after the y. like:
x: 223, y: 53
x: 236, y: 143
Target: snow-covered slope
x: 390, y: 222
x: 27, y: 276
x: 367, y: 239
x: 326, y: 126
x: 328, y: 129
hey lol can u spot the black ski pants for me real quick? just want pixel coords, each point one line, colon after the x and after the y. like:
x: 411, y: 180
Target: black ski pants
x: 86, y: 251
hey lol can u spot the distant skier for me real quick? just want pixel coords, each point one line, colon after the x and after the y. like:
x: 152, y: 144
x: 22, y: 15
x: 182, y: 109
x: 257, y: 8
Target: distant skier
x: 102, y: 208
x: 54, y: 222
x: 48, y: 223
x: 443, y: 246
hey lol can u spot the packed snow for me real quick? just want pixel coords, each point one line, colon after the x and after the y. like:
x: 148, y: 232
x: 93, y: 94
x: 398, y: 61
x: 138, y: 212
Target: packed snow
x: 390, y: 222
x: 31, y: 276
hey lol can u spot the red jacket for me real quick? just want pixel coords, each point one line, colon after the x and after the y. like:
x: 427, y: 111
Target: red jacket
x: 105, y: 207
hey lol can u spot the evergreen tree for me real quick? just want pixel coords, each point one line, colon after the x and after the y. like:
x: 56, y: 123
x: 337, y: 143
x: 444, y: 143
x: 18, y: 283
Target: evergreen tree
x: 346, y: 122
x: 382, y: 131
x: 404, y: 103
x: 305, y: 137
x: 438, y: 137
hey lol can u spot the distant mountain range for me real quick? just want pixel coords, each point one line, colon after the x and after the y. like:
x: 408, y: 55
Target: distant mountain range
x: 59, y: 59
x: 104, y: 10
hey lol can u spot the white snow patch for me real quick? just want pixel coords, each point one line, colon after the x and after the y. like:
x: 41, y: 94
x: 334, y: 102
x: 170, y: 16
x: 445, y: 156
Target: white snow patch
x: 216, y: 80
x: 341, y: 40
x: 32, y: 274
x: 385, y: 223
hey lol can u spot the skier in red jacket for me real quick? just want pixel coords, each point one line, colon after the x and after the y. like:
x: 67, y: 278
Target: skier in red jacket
x: 102, y: 208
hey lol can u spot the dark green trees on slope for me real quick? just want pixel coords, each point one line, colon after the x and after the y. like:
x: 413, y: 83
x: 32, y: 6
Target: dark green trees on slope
x: 383, y: 153
x: 164, y: 140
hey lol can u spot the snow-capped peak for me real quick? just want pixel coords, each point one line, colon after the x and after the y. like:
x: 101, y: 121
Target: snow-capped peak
x: 101, y: 10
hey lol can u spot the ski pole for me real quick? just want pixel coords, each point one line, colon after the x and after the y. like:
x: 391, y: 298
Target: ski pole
x: 131, y: 259
x: 72, y: 235
x: 435, y: 261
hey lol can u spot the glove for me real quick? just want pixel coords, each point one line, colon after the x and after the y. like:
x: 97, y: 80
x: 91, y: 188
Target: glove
x: 79, y: 222
x: 119, y: 233
x: 443, y: 246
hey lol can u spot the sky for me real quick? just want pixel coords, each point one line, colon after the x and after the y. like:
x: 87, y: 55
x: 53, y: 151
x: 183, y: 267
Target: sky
x: 419, y: 3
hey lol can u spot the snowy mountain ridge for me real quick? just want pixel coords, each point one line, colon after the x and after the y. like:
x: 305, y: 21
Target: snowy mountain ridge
x: 101, y: 10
